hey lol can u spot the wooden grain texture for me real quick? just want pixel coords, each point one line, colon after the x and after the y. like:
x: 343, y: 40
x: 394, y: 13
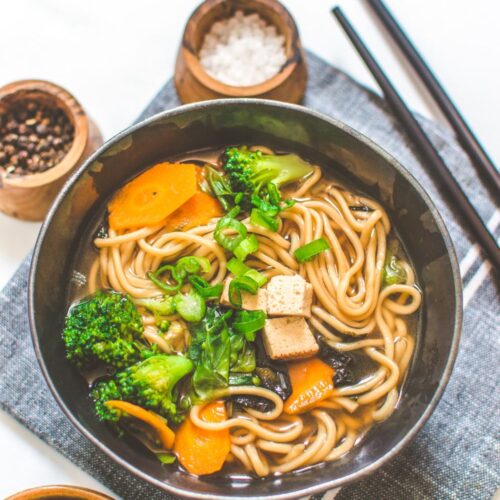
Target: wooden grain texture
x: 194, y: 84
x: 61, y: 492
x: 29, y: 197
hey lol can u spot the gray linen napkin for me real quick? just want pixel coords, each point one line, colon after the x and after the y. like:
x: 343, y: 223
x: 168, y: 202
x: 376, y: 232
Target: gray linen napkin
x: 455, y: 456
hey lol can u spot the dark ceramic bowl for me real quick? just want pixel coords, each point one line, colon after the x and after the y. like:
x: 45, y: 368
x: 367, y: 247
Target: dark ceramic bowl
x: 337, y: 148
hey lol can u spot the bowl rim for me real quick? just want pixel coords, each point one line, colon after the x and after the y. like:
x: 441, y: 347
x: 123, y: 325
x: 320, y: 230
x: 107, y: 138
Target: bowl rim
x: 206, y: 106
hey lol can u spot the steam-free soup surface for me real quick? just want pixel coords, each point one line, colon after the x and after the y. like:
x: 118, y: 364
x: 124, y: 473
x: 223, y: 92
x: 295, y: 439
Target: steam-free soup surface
x: 241, y: 311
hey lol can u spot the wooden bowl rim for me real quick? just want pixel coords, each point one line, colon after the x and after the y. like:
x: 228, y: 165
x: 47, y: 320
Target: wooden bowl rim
x: 59, y: 490
x: 198, y: 71
x: 80, y: 123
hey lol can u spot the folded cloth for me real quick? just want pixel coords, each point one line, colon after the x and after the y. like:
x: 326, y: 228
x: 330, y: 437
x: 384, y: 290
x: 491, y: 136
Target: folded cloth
x: 454, y: 456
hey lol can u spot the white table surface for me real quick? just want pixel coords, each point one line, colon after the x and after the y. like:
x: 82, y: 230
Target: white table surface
x: 114, y: 56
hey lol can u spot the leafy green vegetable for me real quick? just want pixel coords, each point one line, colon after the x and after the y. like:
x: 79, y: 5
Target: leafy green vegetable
x: 310, y: 250
x: 220, y: 187
x: 249, y: 323
x: 243, y: 379
x: 219, y: 350
x: 210, y: 350
x: 149, y: 384
x: 190, y: 306
x: 104, y: 328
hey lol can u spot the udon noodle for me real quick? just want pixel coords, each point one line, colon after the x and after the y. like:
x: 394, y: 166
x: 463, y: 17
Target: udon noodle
x: 351, y: 311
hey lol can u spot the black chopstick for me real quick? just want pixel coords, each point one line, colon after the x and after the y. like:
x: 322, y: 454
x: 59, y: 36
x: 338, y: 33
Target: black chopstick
x: 485, y: 167
x: 425, y: 147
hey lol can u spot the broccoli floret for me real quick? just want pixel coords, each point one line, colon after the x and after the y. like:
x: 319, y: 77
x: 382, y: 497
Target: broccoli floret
x: 249, y: 172
x: 104, y: 328
x: 102, y: 392
x: 164, y: 306
x: 149, y: 384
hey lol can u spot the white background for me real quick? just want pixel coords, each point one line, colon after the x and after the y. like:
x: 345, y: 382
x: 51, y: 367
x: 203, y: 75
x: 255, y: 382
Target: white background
x: 115, y: 55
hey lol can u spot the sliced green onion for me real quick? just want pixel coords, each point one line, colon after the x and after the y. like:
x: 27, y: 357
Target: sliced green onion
x: 155, y: 278
x: 203, y: 287
x: 393, y: 273
x: 246, y: 247
x: 237, y: 267
x: 249, y: 323
x: 166, y: 458
x: 259, y: 278
x: 191, y: 265
x: 310, y: 250
x: 191, y: 306
x: 274, y: 194
x: 263, y: 219
x: 237, y: 285
x: 229, y: 222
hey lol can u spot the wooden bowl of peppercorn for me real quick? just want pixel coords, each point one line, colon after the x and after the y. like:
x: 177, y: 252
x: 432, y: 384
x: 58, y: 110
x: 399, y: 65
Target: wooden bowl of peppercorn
x: 44, y: 135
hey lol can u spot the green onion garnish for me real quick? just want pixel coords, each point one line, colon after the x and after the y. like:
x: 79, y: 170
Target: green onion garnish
x: 239, y: 268
x: 259, y: 278
x: 229, y: 222
x: 237, y: 285
x: 191, y: 265
x: 155, y: 278
x: 203, y: 287
x: 260, y: 218
x: 190, y: 306
x: 249, y: 323
x: 310, y: 250
x: 246, y: 247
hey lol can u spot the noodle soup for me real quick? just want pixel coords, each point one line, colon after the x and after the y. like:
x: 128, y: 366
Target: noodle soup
x: 243, y: 313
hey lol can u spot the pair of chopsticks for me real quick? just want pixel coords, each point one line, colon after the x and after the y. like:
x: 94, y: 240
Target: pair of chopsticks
x: 427, y: 150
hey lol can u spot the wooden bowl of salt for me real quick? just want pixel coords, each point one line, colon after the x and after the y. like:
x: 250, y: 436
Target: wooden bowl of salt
x: 241, y: 48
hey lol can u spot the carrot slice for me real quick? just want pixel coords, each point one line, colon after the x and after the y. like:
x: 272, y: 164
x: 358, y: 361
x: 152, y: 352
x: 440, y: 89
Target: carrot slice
x: 148, y: 199
x: 197, y: 211
x: 165, y: 434
x: 201, y: 451
x: 312, y: 381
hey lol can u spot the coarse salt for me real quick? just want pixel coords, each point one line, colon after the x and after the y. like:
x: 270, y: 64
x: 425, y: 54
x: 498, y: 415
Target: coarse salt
x: 242, y: 50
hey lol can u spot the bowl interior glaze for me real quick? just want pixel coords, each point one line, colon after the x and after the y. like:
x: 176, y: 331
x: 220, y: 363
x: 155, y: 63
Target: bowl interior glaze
x: 320, y: 139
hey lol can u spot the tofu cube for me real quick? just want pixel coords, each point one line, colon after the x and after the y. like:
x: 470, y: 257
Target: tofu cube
x: 289, y: 296
x: 289, y: 338
x: 249, y: 302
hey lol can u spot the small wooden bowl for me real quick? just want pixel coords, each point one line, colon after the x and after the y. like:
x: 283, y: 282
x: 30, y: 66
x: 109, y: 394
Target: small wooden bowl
x: 59, y: 492
x: 30, y: 196
x: 193, y: 83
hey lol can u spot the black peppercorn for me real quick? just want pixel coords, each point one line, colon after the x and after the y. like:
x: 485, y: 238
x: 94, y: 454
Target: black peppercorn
x: 33, y: 137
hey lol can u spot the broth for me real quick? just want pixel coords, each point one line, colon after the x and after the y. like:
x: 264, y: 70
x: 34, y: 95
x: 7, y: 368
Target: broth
x: 368, y: 340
